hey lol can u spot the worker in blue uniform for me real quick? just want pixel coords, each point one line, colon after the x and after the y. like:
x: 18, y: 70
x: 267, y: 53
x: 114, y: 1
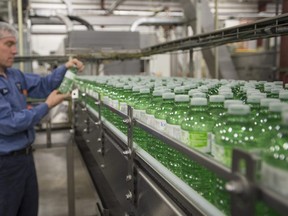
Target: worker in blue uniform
x: 18, y: 182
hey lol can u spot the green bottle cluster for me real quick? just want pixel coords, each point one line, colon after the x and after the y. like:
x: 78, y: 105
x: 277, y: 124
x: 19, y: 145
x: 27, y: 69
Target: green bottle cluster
x: 210, y: 116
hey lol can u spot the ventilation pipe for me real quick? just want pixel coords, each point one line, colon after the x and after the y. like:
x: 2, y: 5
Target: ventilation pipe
x: 157, y: 21
x: 114, y: 6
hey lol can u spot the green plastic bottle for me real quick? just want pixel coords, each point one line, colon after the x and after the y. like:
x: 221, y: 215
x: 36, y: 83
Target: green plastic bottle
x: 274, y: 172
x: 283, y: 96
x: 176, y: 116
x: 159, y: 149
x: 154, y: 104
x: 254, y: 102
x: 270, y: 128
x: 68, y: 81
x: 237, y: 132
x: 216, y: 107
x: 196, y: 126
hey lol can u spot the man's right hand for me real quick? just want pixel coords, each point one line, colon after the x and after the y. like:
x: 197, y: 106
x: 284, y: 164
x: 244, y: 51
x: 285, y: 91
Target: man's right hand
x: 55, y: 98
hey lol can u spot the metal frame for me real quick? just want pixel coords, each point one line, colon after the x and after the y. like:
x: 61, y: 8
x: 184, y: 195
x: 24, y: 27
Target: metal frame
x: 243, y: 187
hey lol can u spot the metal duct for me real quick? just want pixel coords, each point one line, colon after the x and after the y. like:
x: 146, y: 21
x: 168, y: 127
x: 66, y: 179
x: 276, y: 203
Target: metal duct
x: 157, y: 21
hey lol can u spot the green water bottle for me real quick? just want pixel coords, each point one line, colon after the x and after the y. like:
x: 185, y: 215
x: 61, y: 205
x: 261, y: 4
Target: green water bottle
x: 274, y: 169
x: 154, y: 104
x: 68, y: 80
x: 283, y: 96
x: 216, y: 107
x: 176, y: 116
x: 196, y: 126
x: 270, y: 128
x: 237, y: 132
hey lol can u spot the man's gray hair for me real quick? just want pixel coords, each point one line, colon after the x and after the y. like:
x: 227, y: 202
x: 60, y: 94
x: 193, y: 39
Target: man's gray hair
x: 7, y: 30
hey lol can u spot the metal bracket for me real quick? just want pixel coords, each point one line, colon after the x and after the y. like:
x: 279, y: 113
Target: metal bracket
x: 243, y: 192
x: 75, y: 94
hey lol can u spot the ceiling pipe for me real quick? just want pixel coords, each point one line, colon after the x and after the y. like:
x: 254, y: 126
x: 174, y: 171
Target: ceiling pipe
x: 114, y: 6
x: 157, y: 21
x: 82, y: 21
x: 69, y: 6
x: 66, y: 21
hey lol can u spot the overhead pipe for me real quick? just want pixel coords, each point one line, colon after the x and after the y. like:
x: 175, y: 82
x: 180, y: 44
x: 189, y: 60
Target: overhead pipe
x: 66, y: 21
x: 69, y: 6
x: 157, y: 21
x: 82, y: 21
x: 114, y: 6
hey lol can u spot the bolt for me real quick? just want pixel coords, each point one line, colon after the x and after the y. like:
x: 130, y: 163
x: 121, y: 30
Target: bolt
x: 126, y: 121
x: 128, y: 152
x: 234, y: 187
x: 128, y: 178
x: 129, y: 195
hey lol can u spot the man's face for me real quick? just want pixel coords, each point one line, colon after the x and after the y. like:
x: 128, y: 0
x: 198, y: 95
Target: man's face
x: 8, y: 51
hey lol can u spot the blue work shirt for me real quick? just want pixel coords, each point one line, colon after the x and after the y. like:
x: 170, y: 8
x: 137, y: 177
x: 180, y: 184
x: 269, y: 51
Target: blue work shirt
x: 16, y: 121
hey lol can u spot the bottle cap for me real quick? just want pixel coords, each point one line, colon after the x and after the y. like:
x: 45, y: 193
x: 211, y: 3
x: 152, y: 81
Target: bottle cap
x: 216, y: 98
x: 283, y: 94
x: 136, y: 88
x: 144, y: 90
x: 254, y: 99
x: 226, y: 94
x: 275, y: 107
x: 119, y: 85
x: 198, y: 95
x: 198, y: 101
x: 158, y: 92
x: 203, y: 89
x: 192, y: 91
x: 179, y: 89
x: 264, y: 102
x: 275, y: 90
x: 182, y: 98
x: 238, y: 109
x: 168, y: 95
x: 127, y: 87
x: 227, y: 103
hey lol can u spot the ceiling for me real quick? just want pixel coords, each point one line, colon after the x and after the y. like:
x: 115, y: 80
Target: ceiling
x: 123, y: 12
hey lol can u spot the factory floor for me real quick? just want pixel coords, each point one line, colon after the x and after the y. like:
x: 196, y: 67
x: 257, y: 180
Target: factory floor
x: 52, y: 178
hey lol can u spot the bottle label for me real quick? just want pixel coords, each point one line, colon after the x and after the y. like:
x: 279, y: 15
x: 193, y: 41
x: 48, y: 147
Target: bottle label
x: 221, y: 153
x: 106, y: 100
x: 173, y: 131
x: 197, y: 140
x: 160, y: 124
x: 95, y: 95
x: 143, y: 116
x: 150, y: 120
x: 275, y: 178
x: 136, y: 113
x: 110, y: 102
x: 70, y: 75
x: 123, y: 107
x: 115, y: 104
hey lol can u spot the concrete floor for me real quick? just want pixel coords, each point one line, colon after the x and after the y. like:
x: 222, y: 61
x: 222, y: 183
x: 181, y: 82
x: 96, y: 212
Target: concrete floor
x: 52, y: 178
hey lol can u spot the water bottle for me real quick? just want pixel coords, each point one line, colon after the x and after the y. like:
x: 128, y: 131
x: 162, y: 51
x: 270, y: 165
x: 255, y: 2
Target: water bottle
x: 67, y: 84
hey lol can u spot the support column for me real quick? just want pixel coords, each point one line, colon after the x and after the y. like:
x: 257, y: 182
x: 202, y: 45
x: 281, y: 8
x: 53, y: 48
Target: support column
x: 283, y: 67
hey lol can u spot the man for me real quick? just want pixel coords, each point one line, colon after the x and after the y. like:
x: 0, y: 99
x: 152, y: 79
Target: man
x: 18, y: 182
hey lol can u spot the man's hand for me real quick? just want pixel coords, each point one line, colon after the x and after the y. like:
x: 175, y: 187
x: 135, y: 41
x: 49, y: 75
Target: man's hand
x: 55, y: 98
x: 75, y: 62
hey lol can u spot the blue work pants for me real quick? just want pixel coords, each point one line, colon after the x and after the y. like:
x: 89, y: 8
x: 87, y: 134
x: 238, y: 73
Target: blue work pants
x: 18, y: 186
